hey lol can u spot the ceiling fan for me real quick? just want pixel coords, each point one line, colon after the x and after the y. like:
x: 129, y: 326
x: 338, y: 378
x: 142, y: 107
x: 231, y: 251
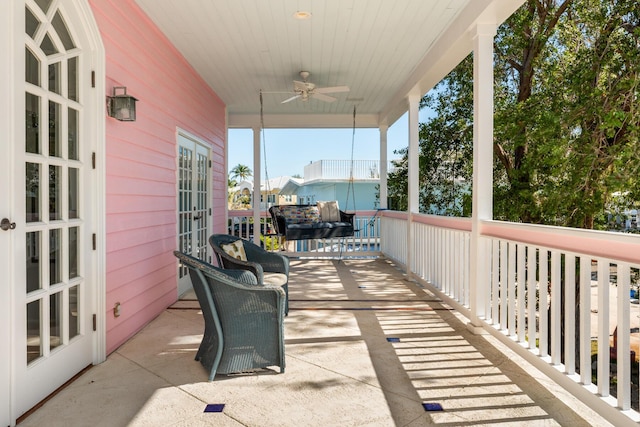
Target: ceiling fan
x: 304, y: 90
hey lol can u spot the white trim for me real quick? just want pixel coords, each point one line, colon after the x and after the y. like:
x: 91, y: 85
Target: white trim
x: 384, y: 161
x: 12, y: 106
x: 257, y: 184
x: 208, y: 145
x: 482, y: 203
x: 225, y: 165
x: 96, y: 102
x: 11, y: 17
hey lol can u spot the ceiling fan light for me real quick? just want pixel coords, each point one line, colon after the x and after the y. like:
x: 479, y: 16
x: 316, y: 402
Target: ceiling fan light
x: 302, y: 15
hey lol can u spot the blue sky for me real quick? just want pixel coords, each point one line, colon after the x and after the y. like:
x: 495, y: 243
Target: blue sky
x: 289, y: 150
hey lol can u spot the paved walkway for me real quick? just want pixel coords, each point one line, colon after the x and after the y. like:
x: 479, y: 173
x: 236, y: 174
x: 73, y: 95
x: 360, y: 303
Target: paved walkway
x: 364, y: 347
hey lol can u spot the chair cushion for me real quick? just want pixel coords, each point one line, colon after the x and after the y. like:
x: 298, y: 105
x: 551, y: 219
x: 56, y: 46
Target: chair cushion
x: 235, y: 250
x: 274, y: 279
x: 329, y: 211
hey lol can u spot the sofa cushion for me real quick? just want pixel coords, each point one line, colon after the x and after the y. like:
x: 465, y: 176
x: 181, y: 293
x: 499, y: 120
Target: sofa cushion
x: 275, y: 279
x: 329, y: 211
x: 300, y: 214
x: 235, y: 250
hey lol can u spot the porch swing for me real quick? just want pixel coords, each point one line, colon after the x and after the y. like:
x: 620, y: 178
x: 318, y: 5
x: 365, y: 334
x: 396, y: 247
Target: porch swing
x: 324, y: 220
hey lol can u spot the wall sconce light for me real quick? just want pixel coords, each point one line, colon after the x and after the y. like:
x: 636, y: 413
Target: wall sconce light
x: 121, y: 106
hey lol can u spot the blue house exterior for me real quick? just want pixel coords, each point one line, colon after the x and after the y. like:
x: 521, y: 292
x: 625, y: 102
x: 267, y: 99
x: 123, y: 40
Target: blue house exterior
x: 330, y: 180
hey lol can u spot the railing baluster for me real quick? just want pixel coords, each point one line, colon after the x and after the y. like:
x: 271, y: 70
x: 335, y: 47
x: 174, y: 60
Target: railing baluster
x: 511, y: 289
x: 495, y: 281
x: 556, y: 265
x: 532, y: 330
x: 623, y: 337
x: 585, y: 320
x: 504, y: 268
x: 603, y: 327
x: 522, y: 277
x: 570, y: 314
x: 543, y: 289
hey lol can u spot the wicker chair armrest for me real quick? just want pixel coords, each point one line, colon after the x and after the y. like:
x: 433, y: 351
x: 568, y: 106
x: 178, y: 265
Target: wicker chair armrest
x: 244, y: 276
x: 270, y: 261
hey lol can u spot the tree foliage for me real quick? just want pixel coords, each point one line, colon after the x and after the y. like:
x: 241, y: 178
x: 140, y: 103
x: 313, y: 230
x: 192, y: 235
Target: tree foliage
x: 565, y: 124
x: 240, y: 172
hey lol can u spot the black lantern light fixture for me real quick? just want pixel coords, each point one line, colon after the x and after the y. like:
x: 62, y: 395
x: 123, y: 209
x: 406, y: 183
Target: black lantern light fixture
x: 121, y: 106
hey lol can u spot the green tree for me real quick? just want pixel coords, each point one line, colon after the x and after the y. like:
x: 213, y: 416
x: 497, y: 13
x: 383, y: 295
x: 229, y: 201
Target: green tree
x: 565, y: 124
x: 602, y: 65
x: 241, y: 172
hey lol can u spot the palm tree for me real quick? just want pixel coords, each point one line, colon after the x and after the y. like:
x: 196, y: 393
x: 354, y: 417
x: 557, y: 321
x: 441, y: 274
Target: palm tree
x: 241, y: 172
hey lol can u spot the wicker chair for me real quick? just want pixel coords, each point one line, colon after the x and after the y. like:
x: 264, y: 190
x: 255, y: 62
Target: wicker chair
x: 269, y: 267
x: 243, y: 319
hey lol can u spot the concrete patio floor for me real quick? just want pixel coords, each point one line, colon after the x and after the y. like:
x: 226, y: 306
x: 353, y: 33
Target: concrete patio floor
x: 341, y: 368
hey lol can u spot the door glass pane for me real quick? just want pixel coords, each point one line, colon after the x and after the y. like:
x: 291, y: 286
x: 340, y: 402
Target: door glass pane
x: 200, y: 188
x: 55, y: 205
x: 47, y: 46
x: 33, y: 261
x: 63, y: 33
x: 32, y: 68
x: 55, y: 320
x: 73, y: 193
x: 73, y: 134
x: 55, y: 149
x: 32, y: 191
x: 34, y: 338
x: 54, y: 77
x: 74, y: 325
x: 55, y: 256
x: 73, y: 252
x: 72, y: 78
x: 32, y: 134
x: 31, y: 23
x: 44, y: 4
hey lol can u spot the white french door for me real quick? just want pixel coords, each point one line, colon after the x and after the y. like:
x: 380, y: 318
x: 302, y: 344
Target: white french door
x: 194, y: 202
x: 53, y: 243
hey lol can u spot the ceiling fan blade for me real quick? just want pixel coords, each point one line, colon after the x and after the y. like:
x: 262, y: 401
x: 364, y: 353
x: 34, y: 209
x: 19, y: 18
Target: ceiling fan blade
x: 291, y: 99
x: 323, y: 97
x: 332, y: 89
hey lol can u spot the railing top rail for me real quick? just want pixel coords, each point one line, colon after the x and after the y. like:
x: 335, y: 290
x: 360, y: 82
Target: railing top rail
x: 607, y: 244
x: 463, y: 224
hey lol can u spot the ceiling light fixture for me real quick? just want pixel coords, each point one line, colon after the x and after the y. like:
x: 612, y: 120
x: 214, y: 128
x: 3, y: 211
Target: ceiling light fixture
x: 302, y: 15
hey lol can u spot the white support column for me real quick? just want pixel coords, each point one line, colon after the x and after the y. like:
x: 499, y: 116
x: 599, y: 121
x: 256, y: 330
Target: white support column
x: 482, y: 202
x: 226, y: 169
x: 257, y: 173
x: 383, y: 166
x: 412, y: 175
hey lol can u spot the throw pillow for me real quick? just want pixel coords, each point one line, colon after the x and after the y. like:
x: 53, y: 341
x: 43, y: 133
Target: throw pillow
x: 329, y: 211
x: 235, y: 250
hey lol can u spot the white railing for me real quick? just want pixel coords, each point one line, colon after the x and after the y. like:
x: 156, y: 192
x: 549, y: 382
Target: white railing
x: 341, y: 169
x: 555, y: 295
x: 364, y: 243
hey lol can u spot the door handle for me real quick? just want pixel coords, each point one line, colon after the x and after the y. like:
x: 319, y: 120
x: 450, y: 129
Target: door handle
x: 6, y: 224
x: 197, y: 217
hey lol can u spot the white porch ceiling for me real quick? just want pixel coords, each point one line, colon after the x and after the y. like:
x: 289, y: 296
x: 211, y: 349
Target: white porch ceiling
x: 383, y: 50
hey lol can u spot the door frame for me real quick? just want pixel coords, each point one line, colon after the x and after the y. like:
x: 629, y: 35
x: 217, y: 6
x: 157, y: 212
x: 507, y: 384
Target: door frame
x: 209, y: 218
x: 12, y: 107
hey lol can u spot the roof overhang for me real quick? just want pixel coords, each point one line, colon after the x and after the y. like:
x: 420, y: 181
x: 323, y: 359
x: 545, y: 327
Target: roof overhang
x: 384, y: 51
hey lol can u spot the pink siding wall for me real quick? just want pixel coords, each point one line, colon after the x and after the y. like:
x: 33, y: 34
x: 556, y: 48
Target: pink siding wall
x: 141, y: 163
